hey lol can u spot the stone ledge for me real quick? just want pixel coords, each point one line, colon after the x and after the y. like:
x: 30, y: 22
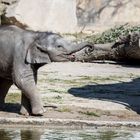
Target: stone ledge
x: 47, y: 122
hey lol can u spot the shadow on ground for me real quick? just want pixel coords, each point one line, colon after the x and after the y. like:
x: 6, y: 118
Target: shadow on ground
x: 11, y: 107
x: 126, y: 93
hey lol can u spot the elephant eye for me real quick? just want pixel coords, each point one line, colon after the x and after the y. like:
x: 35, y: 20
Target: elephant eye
x: 59, y: 46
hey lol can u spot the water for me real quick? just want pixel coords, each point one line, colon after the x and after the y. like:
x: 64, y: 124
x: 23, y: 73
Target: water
x: 65, y: 134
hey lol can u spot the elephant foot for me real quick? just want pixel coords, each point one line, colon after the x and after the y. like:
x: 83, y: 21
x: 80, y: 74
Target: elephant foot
x: 24, y: 111
x: 34, y: 108
x: 38, y: 111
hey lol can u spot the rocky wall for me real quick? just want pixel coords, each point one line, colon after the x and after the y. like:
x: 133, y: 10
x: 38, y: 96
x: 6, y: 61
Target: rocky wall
x: 69, y: 15
x: 108, y: 11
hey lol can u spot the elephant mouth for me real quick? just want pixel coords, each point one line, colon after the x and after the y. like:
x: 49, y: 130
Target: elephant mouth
x: 85, y: 51
x: 74, y: 55
x: 67, y: 57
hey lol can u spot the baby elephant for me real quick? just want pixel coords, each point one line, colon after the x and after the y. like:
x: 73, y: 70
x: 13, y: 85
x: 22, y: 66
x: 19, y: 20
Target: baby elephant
x: 22, y: 52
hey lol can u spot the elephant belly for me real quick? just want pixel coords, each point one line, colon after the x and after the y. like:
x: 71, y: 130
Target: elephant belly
x: 7, y: 74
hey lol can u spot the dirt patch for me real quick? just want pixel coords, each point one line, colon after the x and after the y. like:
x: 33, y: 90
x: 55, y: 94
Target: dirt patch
x: 85, y: 91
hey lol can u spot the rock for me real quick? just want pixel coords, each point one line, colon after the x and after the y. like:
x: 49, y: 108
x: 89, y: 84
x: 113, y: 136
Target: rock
x: 108, y: 12
x: 68, y: 16
x: 53, y: 15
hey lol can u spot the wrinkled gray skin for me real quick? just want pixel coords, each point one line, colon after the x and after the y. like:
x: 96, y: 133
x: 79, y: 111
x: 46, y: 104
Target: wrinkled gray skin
x: 21, y: 54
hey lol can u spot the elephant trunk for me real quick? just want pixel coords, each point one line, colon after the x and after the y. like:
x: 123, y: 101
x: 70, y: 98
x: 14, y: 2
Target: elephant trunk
x: 80, y: 46
x: 97, y: 52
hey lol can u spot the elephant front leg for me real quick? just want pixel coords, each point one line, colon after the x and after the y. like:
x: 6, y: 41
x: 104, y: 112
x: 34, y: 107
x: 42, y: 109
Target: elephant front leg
x: 24, y: 77
x: 4, y: 87
x: 25, y: 106
x: 30, y: 97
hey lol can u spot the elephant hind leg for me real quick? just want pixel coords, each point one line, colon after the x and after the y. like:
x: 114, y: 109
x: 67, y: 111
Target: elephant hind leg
x: 4, y: 87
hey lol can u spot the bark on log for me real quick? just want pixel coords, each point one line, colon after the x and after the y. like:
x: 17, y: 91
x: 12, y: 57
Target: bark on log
x: 126, y: 48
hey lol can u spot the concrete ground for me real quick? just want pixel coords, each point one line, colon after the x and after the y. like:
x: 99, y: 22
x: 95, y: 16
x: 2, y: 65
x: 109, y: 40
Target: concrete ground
x: 84, y: 91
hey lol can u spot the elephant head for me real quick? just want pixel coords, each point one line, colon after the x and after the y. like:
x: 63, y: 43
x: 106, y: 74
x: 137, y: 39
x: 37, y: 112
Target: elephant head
x: 51, y: 47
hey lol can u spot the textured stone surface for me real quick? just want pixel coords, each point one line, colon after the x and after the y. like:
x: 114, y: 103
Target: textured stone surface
x: 54, y: 15
x: 66, y: 123
x: 108, y: 11
x: 110, y: 91
x: 65, y: 15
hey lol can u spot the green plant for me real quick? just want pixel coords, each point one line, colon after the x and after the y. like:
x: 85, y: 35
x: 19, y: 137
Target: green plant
x: 107, y: 36
x: 112, y: 34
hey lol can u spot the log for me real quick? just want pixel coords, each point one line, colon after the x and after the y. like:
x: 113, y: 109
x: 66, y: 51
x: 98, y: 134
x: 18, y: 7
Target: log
x: 126, y: 48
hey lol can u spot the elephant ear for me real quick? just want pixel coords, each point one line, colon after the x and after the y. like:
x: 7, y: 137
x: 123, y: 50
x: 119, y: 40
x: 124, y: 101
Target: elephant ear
x: 36, y: 56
